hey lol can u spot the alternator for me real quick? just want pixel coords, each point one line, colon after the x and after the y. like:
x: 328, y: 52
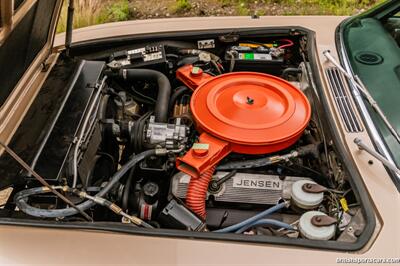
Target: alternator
x: 169, y: 136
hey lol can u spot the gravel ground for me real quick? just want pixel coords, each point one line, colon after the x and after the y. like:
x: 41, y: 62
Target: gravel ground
x: 144, y: 9
x: 167, y: 8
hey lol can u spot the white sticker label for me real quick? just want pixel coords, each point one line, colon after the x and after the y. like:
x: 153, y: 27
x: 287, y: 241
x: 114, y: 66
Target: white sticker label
x: 257, y: 182
x: 206, y: 44
x: 137, y: 51
x: 124, y: 62
x: 262, y: 57
x: 153, y: 56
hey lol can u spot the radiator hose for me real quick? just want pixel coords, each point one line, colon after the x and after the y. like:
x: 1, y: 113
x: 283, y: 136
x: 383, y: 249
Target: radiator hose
x: 164, y: 88
x: 197, y: 192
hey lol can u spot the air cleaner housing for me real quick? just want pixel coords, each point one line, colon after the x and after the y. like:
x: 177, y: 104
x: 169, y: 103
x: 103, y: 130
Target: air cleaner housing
x: 243, y: 112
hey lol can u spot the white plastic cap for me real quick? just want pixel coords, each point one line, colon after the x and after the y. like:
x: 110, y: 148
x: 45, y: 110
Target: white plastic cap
x: 310, y: 231
x: 303, y: 199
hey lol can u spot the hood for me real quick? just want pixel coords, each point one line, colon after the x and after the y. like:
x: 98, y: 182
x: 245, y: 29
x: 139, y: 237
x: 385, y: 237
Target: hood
x: 26, y: 28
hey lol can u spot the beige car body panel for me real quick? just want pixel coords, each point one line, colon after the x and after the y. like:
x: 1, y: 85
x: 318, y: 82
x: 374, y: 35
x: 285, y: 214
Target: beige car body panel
x: 29, y: 245
x: 11, y: 20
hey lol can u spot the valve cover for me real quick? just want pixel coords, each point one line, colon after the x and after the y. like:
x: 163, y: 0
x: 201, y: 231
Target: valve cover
x: 242, y: 188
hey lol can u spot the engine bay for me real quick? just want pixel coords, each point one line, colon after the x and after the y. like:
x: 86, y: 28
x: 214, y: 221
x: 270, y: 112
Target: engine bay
x: 221, y: 135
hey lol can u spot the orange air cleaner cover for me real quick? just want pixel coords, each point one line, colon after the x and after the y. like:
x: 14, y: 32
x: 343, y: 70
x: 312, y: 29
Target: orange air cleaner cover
x: 243, y: 112
x: 256, y: 113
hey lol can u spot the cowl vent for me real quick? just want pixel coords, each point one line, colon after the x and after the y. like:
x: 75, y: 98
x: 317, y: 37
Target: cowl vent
x: 341, y: 94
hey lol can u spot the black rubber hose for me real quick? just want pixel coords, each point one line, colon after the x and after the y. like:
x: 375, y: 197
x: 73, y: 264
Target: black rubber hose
x: 21, y: 198
x: 164, y: 88
x: 290, y: 70
x: 247, y: 164
x: 138, y: 131
x: 103, y: 107
x: 265, y: 161
x: 178, y: 92
x: 127, y: 190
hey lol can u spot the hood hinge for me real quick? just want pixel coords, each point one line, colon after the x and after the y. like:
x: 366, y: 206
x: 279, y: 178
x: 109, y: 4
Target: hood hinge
x: 45, y: 64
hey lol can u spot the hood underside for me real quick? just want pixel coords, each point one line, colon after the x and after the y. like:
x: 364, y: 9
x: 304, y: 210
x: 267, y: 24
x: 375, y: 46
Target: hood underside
x: 26, y: 29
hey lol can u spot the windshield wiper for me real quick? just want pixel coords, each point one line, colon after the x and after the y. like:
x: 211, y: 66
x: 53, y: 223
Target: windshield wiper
x: 356, y: 81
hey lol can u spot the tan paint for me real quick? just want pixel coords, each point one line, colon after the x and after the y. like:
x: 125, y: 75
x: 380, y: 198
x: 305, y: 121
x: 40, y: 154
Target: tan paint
x: 11, y: 19
x: 20, y: 99
x: 55, y: 246
x: 16, y: 106
x: 126, y: 28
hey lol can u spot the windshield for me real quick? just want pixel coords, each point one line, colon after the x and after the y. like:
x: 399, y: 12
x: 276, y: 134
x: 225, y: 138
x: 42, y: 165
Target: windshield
x: 90, y: 12
x: 372, y: 44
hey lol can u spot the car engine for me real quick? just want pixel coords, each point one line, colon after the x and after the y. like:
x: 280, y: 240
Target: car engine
x: 220, y: 134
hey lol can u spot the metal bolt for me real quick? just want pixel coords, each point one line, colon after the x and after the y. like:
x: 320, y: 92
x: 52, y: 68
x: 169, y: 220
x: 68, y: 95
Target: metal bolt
x: 250, y: 100
x: 358, y: 232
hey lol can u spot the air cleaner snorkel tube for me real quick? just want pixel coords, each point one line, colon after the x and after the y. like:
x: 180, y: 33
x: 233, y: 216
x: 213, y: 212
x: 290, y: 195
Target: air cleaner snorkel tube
x: 208, y: 151
x: 200, y: 161
x: 204, y: 155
